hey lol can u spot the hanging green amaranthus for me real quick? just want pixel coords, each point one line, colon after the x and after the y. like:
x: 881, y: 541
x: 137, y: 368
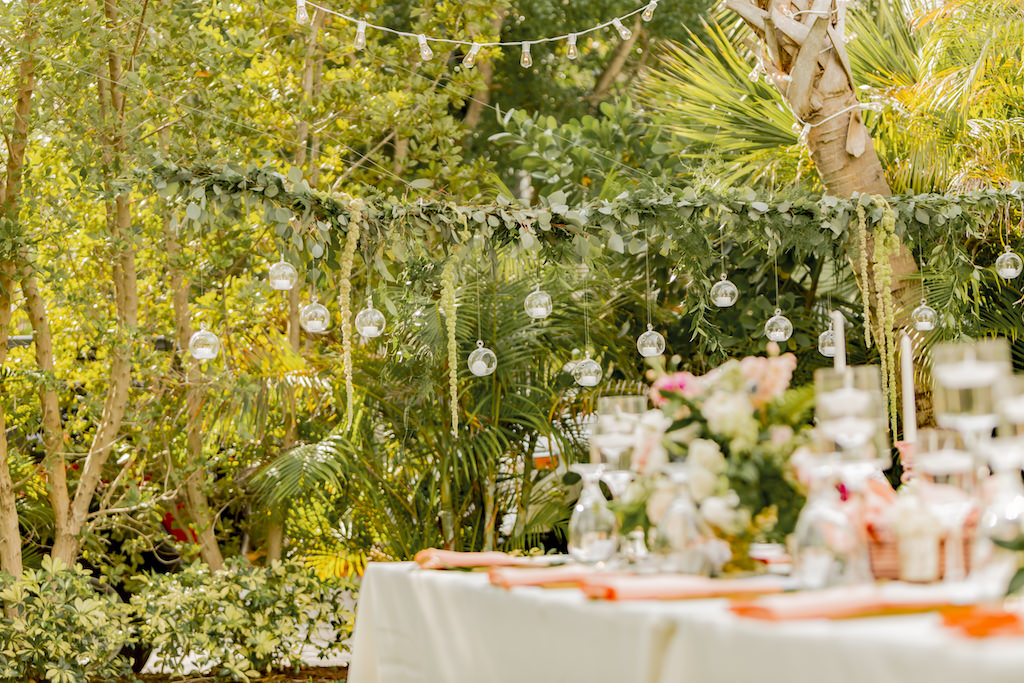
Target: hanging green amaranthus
x: 886, y: 244
x: 862, y: 254
x: 448, y: 308
x: 355, y: 208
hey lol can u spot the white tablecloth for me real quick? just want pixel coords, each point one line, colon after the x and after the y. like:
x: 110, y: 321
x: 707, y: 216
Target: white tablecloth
x: 441, y: 627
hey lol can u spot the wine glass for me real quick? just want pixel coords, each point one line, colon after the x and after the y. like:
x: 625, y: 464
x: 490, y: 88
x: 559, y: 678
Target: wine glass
x: 969, y: 381
x: 676, y: 541
x: 613, y: 438
x: 850, y: 412
x: 593, y: 529
x: 946, y: 471
x: 1002, y: 520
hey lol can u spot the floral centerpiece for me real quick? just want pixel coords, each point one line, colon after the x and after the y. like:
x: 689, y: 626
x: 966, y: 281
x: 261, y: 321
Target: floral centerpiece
x: 736, y: 428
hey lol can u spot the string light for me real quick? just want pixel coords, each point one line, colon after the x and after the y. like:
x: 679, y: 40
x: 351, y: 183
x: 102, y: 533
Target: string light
x: 360, y: 41
x: 426, y: 54
x: 301, y: 14
x: 570, y: 51
x: 648, y: 12
x: 469, y: 61
x: 526, y: 60
x: 623, y: 31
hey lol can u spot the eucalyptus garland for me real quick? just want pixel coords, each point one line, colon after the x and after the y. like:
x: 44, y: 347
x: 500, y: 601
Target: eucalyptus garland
x: 448, y: 308
x: 886, y: 244
x: 862, y: 254
x: 355, y: 207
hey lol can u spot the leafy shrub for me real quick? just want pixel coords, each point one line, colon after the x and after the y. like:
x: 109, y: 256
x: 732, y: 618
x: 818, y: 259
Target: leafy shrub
x: 239, y: 622
x: 55, y: 625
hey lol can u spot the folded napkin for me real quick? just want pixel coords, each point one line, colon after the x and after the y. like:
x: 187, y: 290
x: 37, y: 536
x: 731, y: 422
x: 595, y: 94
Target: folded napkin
x: 550, y: 577
x: 844, y: 603
x: 674, y: 587
x: 435, y: 558
x: 976, y: 621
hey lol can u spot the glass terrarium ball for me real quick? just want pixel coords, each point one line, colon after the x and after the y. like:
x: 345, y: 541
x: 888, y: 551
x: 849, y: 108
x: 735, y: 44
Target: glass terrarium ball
x: 587, y: 372
x: 650, y: 343
x: 538, y: 304
x: 924, y: 318
x: 724, y: 293
x: 370, y: 322
x: 778, y: 328
x: 204, y: 345
x: 315, y: 318
x: 282, y: 276
x: 482, y: 361
x: 827, y: 344
x: 1009, y: 265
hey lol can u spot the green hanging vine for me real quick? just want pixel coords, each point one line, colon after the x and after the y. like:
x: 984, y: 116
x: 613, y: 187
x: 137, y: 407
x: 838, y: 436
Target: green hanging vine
x: 886, y: 244
x: 355, y: 208
x: 862, y: 253
x: 448, y: 308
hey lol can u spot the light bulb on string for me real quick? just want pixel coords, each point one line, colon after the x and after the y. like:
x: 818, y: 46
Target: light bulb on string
x: 624, y: 32
x: 778, y: 328
x: 282, y: 276
x: 1009, y: 265
x: 526, y: 59
x: 360, y: 42
x: 469, y: 61
x: 571, y: 51
x: 426, y: 54
x: 482, y: 361
x: 301, y: 14
x: 650, y: 343
x: 538, y: 304
x: 648, y: 12
x: 924, y: 317
x: 203, y: 344
x: 314, y: 317
x: 370, y: 322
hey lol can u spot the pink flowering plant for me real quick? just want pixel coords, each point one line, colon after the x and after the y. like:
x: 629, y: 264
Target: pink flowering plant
x: 736, y: 427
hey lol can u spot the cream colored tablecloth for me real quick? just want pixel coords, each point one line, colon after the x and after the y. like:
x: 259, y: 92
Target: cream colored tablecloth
x: 441, y: 627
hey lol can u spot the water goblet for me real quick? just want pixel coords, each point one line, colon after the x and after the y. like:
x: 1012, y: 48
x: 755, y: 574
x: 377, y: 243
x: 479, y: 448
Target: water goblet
x: 593, y: 528
x: 946, y: 471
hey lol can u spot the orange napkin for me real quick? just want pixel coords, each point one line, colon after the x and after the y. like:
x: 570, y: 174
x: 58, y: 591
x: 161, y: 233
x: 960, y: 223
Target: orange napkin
x: 550, y: 577
x: 435, y: 558
x: 975, y: 621
x: 841, y: 603
x: 672, y: 587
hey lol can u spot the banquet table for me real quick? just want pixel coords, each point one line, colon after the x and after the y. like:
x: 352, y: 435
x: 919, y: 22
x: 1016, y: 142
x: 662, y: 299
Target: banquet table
x: 453, y: 626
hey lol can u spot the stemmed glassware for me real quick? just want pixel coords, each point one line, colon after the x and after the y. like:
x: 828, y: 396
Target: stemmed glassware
x: 614, y: 437
x: 827, y: 549
x: 969, y: 381
x: 593, y: 529
x: 676, y: 541
x: 850, y: 412
x: 946, y: 472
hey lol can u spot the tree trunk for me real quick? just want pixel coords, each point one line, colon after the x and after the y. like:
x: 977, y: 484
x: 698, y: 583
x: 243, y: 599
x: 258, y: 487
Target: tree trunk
x: 611, y: 72
x: 10, y: 201
x: 119, y: 219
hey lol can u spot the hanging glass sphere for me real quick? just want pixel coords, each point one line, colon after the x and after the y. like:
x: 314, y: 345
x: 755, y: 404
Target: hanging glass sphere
x: 827, y: 343
x: 587, y: 372
x: 204, y: 345
x: 538, y: 304
x: 1009, y: 265
x: 724, y: 293
x: 482, y: 361
x: 314, y: 317
x: 370, y: 322
x: 924, y: 317
x: 778, y: 328
x: 282, y: 276
x: 650, y: 343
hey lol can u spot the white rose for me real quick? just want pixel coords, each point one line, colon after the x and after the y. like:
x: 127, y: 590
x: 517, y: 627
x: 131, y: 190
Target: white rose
x: 663, y: 495
x: 717, y: 512
x: 702, y: 483
x: 706, y: 454
x: 730, y: 414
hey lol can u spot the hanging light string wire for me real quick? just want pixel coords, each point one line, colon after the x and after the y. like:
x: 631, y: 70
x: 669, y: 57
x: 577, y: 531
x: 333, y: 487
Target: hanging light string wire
x: 647, y: 278
x: 451, y: 41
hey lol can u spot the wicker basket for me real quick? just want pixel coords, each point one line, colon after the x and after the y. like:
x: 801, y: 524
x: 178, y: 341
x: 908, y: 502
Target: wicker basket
x: 885, y: 556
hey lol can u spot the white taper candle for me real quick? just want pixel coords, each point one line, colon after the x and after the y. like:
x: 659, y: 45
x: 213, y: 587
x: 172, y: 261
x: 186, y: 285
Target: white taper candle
x: 839, y: 333
x: 907, y: 377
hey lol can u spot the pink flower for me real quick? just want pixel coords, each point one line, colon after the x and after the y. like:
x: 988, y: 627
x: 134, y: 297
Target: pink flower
x: 683, y: 383
x: 767, y: 378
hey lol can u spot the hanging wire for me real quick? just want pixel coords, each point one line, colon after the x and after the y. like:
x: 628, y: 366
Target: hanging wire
x: 647, y: 277
x: 776, y: 254
x: 721, y: 245
x: 479, y: 311
x: 586, y: 311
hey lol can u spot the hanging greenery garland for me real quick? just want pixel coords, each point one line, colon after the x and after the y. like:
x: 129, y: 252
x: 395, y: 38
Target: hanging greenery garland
x: 448, y: 308
x: 886, y: 245
x: 355, y: 208
x: 862, y: 253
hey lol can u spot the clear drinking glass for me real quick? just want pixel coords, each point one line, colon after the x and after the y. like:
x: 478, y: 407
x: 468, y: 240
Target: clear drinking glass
x: 946, y: 472
x: 1002, y: 520
x: 676, y: 541
x: 850, y: 411
x: 969, y: 380
x: 614, y: 436
x: 593, y: 530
